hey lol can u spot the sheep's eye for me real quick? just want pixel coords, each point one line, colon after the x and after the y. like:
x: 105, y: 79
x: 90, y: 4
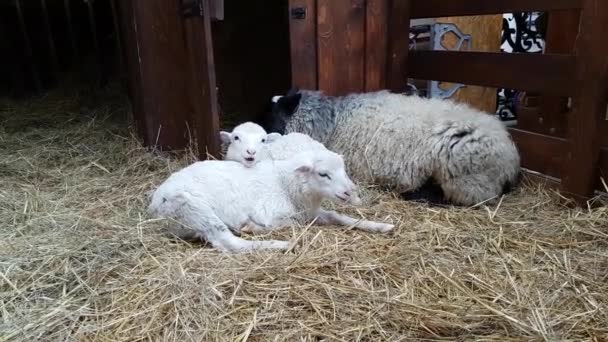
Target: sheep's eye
x: 324, y: 175
x: 236, y: 138
x: 263, y: 140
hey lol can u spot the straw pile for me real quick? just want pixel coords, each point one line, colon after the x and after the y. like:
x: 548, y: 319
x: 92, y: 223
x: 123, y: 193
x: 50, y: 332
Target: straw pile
x: 79, y: 260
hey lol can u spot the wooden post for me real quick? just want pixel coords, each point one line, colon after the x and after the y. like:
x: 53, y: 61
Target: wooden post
x: 398, y: 45
x: 203, y: 91
x: 158, y: 71
x: 303, y: 41
x: 589, y: 106
x: 376, y: 44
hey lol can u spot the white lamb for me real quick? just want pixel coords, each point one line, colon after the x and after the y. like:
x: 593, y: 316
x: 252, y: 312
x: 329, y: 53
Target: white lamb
x: 406, y: 141
x: 248, y: 143
x: 216, y: 199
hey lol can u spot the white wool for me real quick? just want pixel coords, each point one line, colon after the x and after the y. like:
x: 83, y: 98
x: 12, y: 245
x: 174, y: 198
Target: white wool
x: 252, y: 137
x: 213, y: 200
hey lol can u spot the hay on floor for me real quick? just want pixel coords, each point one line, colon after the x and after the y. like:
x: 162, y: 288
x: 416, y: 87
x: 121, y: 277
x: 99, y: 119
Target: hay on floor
x: 79, y: 260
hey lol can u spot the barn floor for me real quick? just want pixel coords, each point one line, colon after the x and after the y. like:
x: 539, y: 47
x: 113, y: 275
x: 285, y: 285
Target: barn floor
x: 79, y: 260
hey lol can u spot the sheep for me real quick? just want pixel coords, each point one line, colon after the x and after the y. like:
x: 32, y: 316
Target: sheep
x: 406, y: 142
x: 248, y: 143
x: 216, y: 199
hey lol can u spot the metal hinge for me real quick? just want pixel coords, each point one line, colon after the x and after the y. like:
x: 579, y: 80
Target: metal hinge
x: 192, y: 8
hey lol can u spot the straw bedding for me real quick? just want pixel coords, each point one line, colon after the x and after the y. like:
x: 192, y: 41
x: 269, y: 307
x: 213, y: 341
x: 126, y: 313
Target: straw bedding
x: 79, y: 260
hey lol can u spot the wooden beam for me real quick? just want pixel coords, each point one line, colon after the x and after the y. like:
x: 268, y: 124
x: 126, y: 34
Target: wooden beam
x: 341, y: 46
x: 580, y: 171
x: 443, y: 8
x: 158, y: 75
x: 376, y: 44
x: 398, y: 45
x: 551, y: 74
x: 303, y: 41
x: 203, y: 91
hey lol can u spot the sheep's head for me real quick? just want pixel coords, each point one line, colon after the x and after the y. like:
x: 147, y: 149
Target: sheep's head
x: 326, y: 176
x: 282, y: 107
x: 246, y: 143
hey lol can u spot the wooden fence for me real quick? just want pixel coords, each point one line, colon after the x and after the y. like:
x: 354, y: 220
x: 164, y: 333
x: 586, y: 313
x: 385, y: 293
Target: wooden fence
x: 374, y: 54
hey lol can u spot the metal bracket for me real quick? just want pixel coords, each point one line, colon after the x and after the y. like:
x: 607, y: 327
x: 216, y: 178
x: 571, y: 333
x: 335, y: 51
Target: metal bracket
x: 192, y: 8
x: 298, y: 13
x: 438, y: 31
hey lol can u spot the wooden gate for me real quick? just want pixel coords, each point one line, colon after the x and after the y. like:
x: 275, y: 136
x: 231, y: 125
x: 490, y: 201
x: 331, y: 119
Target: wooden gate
x: 342, y: 46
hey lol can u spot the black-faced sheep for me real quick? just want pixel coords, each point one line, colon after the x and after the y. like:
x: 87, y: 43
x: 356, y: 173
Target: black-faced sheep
x: 406, y: 141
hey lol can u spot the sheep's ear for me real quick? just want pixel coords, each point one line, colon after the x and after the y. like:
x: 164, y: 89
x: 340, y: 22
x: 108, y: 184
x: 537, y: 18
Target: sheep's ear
x: 225, y: 137
x: 293, y: 91
x: 289, y: 103
x: 305, y: 168
x: 272, y: 137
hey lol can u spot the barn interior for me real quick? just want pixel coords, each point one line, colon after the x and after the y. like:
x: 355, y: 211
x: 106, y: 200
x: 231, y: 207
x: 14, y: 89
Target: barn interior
x: 80, y: 260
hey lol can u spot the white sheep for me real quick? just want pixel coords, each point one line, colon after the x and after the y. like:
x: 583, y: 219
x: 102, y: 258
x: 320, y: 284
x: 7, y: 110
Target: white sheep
x: 406, y: 141
x: 216, y: 199
x: 248, y: 143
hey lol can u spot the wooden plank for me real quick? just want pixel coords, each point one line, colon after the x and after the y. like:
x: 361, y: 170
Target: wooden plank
x: 603, y: 169
x: 376, y: 44
x: 552, y: 74
x: 544, y: 154
x: 589, y: 106
x: 398, y: 45
x: 540, y: 153
x: 486, y: 33
x: 341, y: 46
x: 158, y: 64
x: 303, y: 44
x: 443, y: 8
x: 562, y: 30
x: 203, y: 91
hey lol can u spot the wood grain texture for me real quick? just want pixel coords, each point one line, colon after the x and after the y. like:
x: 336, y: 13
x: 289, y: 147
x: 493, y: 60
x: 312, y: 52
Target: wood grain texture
x: 158, y: 71
x: 376, y: 44
x: 341, y: 46
x: 303, y: 45
x: 580, y: 170
x: 552, y: 74
x: 398, y: 45
x: 443, y: 8
x: 203, y: 93
x: 486, y: 35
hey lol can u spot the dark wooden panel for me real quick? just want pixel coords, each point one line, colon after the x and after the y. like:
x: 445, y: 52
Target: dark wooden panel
x: 589, y: 107
x: 444, y: 8
x: 376, y: 44
x: 562, y: 30
x: 545, y: 154
x: 203, y: 94
x: 341, y: 46
x: 158, y: 70
x: 303, y: 40
x: 603, y: 169
x: 539, y: 152
x: 550, y: 74
x: 398, y: 45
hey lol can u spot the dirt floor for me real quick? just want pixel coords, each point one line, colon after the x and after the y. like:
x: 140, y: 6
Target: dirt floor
x: 79, y: 259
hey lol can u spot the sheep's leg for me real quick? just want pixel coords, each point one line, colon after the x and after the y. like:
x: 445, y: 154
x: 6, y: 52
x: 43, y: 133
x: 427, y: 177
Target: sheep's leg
x: 253, y: 227
x: 199, y: 217
x: 326, y: 217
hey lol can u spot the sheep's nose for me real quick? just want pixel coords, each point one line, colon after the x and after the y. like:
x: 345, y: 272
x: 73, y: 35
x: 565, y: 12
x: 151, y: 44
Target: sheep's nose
x: 251, y: 152
x: 347, y: 193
